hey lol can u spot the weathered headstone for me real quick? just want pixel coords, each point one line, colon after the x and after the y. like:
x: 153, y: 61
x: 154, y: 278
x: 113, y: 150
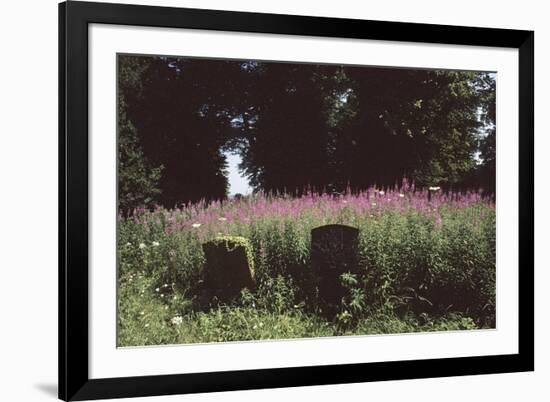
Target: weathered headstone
x: 229, y: 266
x: 333, y: 252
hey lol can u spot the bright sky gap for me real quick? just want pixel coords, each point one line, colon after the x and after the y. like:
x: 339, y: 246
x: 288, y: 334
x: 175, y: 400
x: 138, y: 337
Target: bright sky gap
x: 237, y: 183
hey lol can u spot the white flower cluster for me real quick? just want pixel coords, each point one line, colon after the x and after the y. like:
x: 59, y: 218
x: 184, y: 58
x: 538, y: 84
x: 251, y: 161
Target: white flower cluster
x: 177, y: 320
x: 143, y: 245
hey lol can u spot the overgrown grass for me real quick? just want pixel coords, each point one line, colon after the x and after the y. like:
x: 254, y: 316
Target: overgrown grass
x: 425, y: 265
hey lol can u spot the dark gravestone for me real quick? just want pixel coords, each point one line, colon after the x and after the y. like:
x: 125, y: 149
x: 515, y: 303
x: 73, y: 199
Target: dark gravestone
x: 333, y: 252
x: 229, y: 266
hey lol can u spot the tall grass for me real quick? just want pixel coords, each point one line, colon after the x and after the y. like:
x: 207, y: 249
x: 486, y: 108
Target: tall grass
x: 426, y: 262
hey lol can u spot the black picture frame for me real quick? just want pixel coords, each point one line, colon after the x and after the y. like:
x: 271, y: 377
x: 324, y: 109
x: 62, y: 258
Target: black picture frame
x: 74, y: 381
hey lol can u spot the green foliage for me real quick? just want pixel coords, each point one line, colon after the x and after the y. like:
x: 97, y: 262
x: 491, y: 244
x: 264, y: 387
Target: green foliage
x: 146, y: 318
x: 276, y: 295
x: 416, y: 273
x: 380, y: 323
x: 176, y: 113
x: 173, y: 263
x: 409, y: 264
x: 326, y: 127
x: 137, y: 178
x: 276, y: 238
x: 448, y: 123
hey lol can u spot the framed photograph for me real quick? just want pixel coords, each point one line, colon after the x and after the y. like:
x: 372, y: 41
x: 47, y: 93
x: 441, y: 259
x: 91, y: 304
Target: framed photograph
x: 258, y: 201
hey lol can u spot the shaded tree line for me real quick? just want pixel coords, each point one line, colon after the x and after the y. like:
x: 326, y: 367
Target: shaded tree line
x: 296, y: 126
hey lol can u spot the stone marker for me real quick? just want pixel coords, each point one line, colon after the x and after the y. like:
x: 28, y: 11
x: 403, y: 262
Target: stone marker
x: 229, y: 266
x: 333, y: 252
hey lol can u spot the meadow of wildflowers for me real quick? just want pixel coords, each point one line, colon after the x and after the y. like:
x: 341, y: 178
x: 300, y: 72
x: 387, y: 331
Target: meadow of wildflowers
x: 426, y: 263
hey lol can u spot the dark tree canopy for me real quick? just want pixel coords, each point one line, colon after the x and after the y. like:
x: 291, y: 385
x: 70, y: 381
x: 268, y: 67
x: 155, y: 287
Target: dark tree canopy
x: 137, y: 179
x: 286, y: 146
x: 298, y: 126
